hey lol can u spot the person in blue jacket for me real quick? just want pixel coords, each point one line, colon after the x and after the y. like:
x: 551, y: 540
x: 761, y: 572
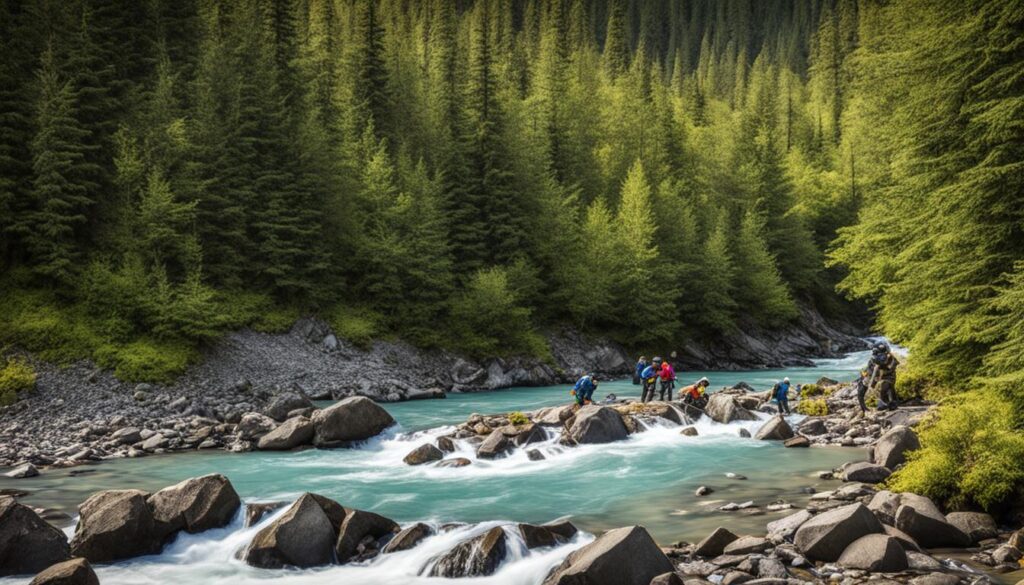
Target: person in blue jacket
x: 780, y: 393
x: 584, y: 389
x: 641, y: 364
x: 649, y: 379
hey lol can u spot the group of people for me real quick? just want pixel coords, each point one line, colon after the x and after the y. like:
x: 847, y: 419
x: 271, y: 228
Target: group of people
x: 658, y: 375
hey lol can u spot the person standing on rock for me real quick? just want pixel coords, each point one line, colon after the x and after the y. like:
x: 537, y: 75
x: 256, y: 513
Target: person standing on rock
x: 668, y: 381
x: 882, y: 370
x: 584, y: 389
x: 641, y: 365
x: 781, y: 395
x: 649, y: 378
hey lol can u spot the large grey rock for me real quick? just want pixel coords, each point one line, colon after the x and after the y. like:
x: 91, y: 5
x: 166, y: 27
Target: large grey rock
x: 884, y: 505
x: 917, y: 561
x: 921, y: 519
x: 892, y: 447
x: 286, y: 402
x: 425, y: 453
x: 71, y: 572
x: 562, y: 527
x: 539, y: 536
x: 776, y: 429
x: 597, y: 424
x: 723, y: 408
x: 495, y: 444
x: 408, y: 538
x: 746, y: 545
x: 22, y: 471
x: 827, y: 535
x: 978, y: 526
x: 114, y: 525
x: 876, y: 553
x: 302, y: 537
x: 783, y: 528
x: 194, y: 505
x: 352, y: 419
x: 714, y: 544
x: 28, y: 544
x: 812, y: 427
x: 865, y: 472
x: 358, y: 525
x: 254, y: 425
x: 294, y: 432
x: 623, y: 556
x: 905, y: 540
x: 476, y: 557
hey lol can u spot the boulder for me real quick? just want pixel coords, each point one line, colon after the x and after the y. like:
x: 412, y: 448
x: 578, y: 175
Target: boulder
x: 194, y: 505
x: 302, y: 537
x: 884, y: 505
x: 865, y: 472
x: 408, y: 538
x: 358, y: 525
x: 562, y: 527
x: 256, y: 511
x: 746, y: 545
x: 253, y: 425
x: 769, y: 568
x: 597, y: 424
x: 336, y: 514
x: 286, y: 402
x: 476, y: 557
x: 295, y: 432
x: 352, y: 419
x: 539, y: 536
x: 891, y: 448
x: 446, y: 444
x: 921, y: 519
x: 28, y: 544
x: 876, y: 553
x: 813, y: 427
x: 798, y: 441
x: 917, y: 561
x: 714, y: 544
x: 978, y: 526
x: 688, y: 432
x: 825, y: 536
x: 722, y: 408
x: 425, y: 453
x: 495, y: 444
x: 776, y: 429
x: 1007, y: 554
x: 535, y: 455
x: 22, y: 471
x: 114, y: 525
x: 127, y: 436
x: 529, y: 434
x: 783, y: 528
x: 623, y: 556
x: 454, y: 462
x: 71, y: 572
x: 908, y: 543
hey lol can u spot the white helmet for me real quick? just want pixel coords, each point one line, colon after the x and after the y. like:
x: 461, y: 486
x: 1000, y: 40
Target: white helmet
x: 704, y: 380
x: 785, y: 380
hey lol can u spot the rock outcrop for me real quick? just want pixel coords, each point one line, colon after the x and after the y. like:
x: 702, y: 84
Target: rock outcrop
x: 303, y: 537
x: 348, y: 421
x: 194, y: 505
x: 114, y: 525
x: 597, y: 424
x: 28, y: 544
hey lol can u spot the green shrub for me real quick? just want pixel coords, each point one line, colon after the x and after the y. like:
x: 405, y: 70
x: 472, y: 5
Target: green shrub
x: 487, y: 319
x: 147, y: 360
x: 517, y: 418
x: 812, y: 407
x: 17, y: 376
x: 971, y: 454
x: 360, y: 326
x: 811, y: 390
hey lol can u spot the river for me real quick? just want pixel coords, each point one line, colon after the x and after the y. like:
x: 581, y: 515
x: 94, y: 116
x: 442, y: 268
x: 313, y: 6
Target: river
x: 648, y: 479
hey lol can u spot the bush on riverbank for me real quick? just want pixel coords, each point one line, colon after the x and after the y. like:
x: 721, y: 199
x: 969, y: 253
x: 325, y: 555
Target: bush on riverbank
x: 16, y: 377
x: 812, y: 407
x: 971, y: 453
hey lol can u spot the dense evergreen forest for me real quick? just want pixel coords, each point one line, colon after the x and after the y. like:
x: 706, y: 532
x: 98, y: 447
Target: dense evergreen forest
x: 468, y: 173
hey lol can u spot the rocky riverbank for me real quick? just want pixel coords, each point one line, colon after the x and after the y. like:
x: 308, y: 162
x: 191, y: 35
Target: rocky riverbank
x: 855, y: 533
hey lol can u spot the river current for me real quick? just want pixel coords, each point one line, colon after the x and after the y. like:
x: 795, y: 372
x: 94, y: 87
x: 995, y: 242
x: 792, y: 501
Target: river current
x: 648, y: 479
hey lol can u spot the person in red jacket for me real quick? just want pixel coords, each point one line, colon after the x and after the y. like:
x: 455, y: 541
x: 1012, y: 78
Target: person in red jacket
x: 667, y: 374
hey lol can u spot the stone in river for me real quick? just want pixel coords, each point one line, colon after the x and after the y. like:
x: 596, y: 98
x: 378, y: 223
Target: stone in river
x: 72, y: 572
x: 776, y: 429
x: 425, y: 453
x: 477, y: 557
x: 359, y: 524
x: 623, y: 556
x: 353, y: 419
x: 23, y: 471
x: 115, y: 525
x: 597, y: 424
x: 194, y: 505
x: 408, y: 538
x: 294, y: 432
x: 303, y: 537
x: 255, y: 512
x: 28, y: 544
x: 714, y: 544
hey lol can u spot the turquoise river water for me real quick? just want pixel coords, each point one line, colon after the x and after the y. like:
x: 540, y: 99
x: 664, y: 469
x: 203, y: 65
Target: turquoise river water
x: 648, y: 479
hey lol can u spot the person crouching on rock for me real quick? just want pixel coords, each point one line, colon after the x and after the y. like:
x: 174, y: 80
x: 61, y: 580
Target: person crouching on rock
x: 584, y: 389
x: 649, y: 377
x: 667, y: 374
x: 882, y: 367
x: 780, y: 392
x: 694, y: 393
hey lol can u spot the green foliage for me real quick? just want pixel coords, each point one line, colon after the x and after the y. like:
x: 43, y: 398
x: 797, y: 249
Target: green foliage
x: 518, y: 418
x: 17, y: 376
x: 360, y: 326
x: 811, y: 390
x: 146, y: 359
x: 970, y: 455
x: 488, y: 319
x: 812, y: 407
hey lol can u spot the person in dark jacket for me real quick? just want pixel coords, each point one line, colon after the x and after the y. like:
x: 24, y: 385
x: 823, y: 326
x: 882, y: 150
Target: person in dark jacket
x: 862, y: 389
x: 584, y: 389
x: 780, y: 393
x: 649, y: 379
x: 641, y: 365
x: 882, y: 369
